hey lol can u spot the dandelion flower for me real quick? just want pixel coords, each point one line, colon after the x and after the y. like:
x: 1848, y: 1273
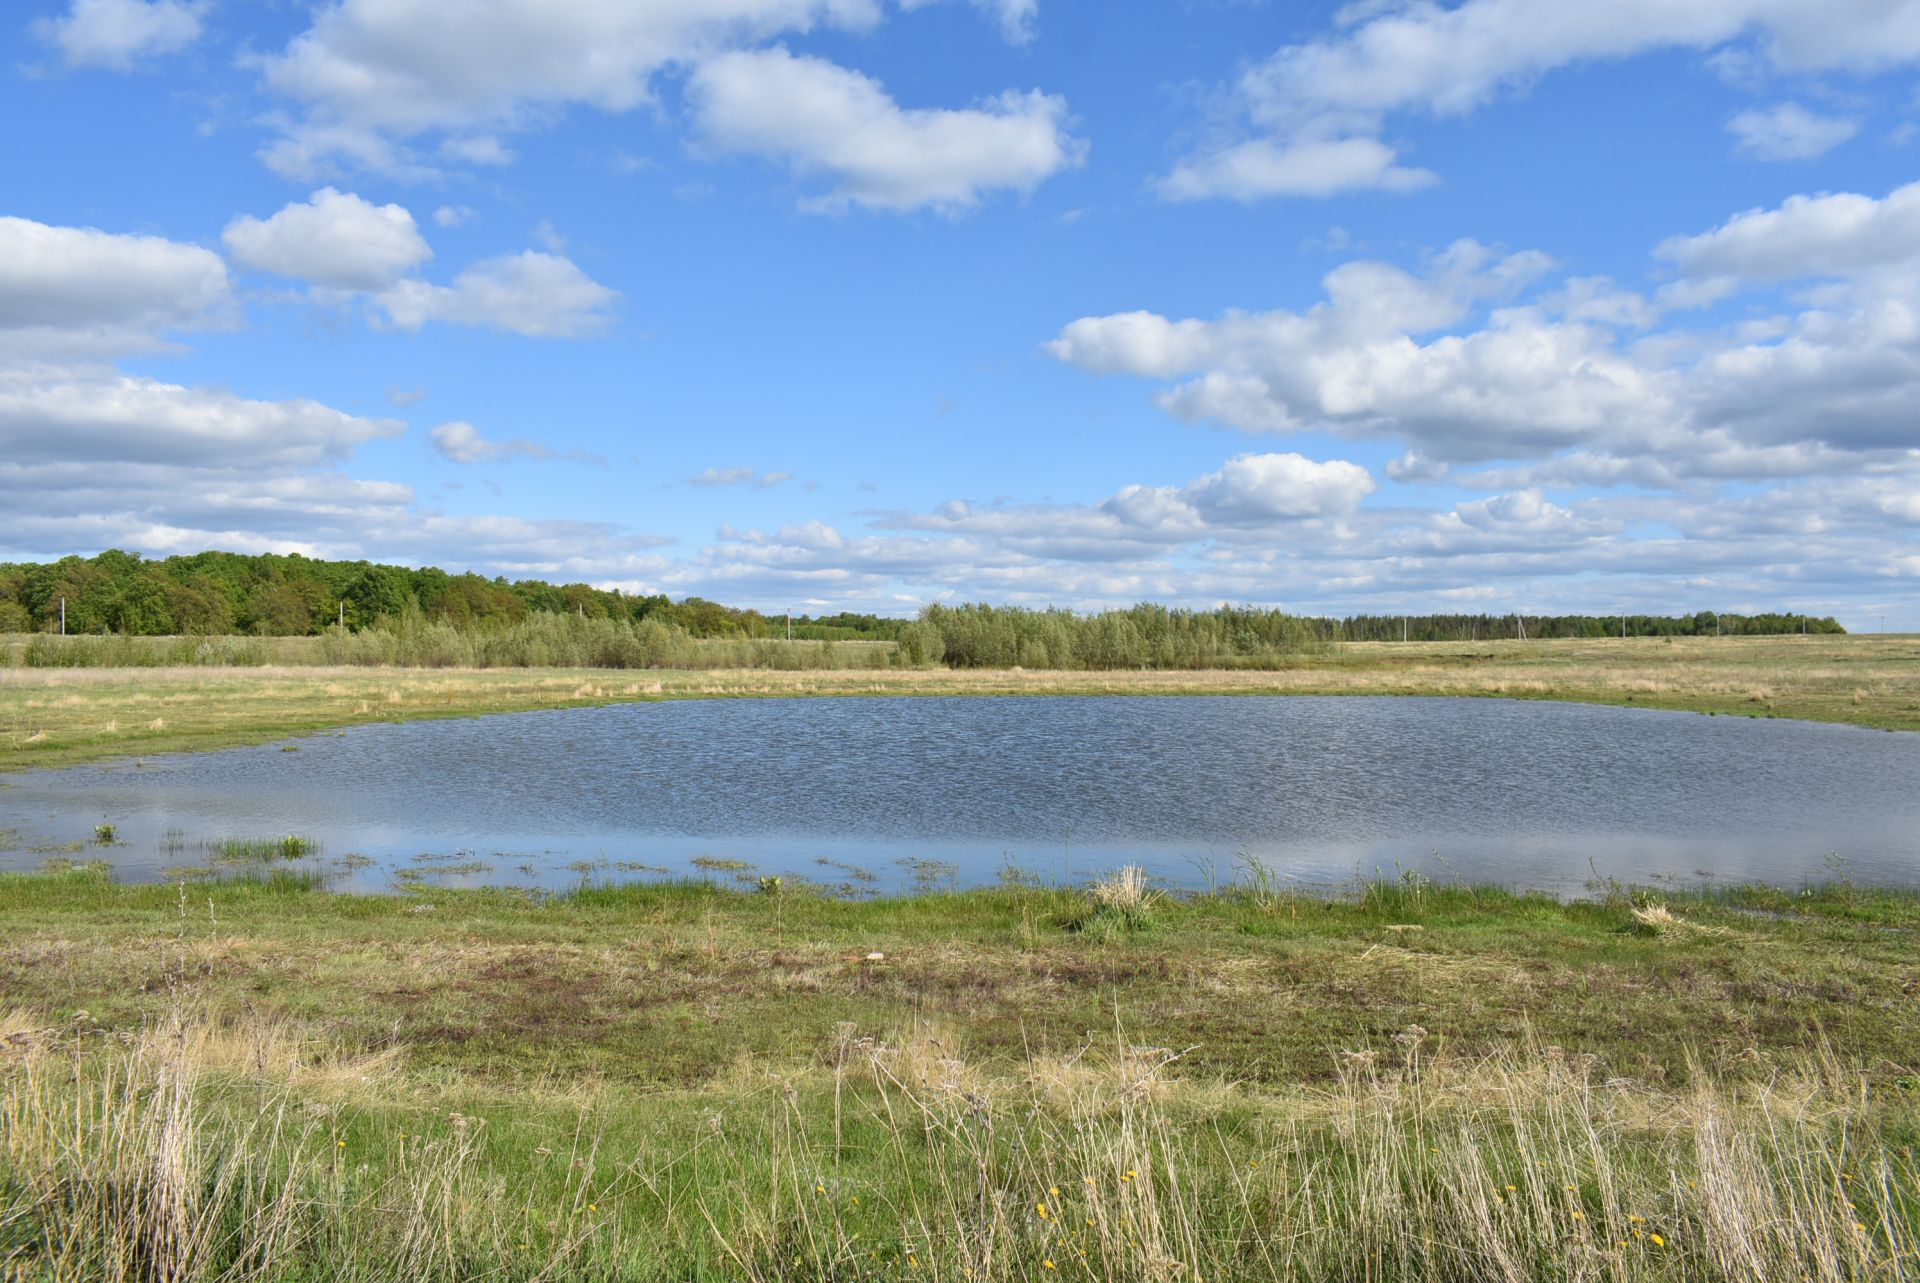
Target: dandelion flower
x: 1042, y: 1209
x: 1049, y: 1264
x: 1656, y: 1240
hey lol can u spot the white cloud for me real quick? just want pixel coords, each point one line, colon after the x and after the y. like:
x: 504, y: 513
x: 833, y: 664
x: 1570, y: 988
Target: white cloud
x: 1459, y: 367
x: 477, y: 149
x: 1268, y: 167
x: 1317, y: 110
x: 370, y: 75
x: 539, y: 295
x: 118, y: 33
x: 1015, y: 18
x: 1841, y: 234
x: 461, y: 442
x: 824, y: 119
x: 717, y: 477
x: 1261, y: 489
x: 89, y: 413
x: 1789, y: 131
x: 453, y: 215
x: 69, y: 289
x: 335, y: 239
x: 93, y: 457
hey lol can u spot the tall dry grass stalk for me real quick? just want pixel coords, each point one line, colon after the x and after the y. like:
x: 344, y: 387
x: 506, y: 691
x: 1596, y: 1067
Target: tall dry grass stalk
x: 201, y: 1151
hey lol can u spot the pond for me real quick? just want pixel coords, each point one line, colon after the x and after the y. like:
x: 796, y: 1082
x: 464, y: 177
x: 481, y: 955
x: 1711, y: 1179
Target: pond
x: 882, y: 794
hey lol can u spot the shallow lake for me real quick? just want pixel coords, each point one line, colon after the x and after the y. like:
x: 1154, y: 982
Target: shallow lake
x: 888, y: 793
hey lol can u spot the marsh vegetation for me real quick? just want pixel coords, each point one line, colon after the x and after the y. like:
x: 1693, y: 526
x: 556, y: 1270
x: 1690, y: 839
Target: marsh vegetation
x: 258, y: 1080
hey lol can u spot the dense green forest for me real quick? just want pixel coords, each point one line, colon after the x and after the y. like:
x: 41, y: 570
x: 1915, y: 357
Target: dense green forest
x: 399, y: 614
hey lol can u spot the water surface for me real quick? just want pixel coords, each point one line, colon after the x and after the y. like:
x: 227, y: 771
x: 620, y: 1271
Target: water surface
x: 1319, y: 789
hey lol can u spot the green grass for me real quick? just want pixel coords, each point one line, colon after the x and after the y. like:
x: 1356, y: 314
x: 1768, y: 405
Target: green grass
x: 254, y: 1078
x: 667, y: 984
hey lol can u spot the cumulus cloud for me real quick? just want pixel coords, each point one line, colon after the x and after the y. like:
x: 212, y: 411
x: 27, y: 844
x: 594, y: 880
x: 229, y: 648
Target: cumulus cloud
x: 1789, y: 132
x: 1252, y: 496
x: 1482, y: 358
x: 371, y: 75
x: 66, y: 289
x: 92, y: 456
x: 530, y: 293
x: 824, y: 119
x: 117, y: 34
x: 1313, y: 115
x: 334, y: 239
x: 85, y: 412
x: 1839, y: 234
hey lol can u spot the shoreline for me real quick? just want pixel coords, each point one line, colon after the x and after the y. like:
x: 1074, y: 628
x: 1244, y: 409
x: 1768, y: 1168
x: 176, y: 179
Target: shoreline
x: 56, y: 717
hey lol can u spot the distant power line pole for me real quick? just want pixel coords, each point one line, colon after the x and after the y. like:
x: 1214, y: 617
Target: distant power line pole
x: 63, y: 619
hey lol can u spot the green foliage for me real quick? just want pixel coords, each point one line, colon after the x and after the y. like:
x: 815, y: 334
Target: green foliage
x: 397, y: 614
x: 1143, y: 636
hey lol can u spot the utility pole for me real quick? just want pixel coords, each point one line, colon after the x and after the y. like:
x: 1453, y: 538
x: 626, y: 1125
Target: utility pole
x: 343, y: 615
x: 63, y: 619
x: 1403, y: 629
x: 789, y: 625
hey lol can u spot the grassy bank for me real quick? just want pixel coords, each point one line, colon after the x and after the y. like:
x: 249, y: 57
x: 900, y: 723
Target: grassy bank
x: 262, y: 1080
x: 58, y: 716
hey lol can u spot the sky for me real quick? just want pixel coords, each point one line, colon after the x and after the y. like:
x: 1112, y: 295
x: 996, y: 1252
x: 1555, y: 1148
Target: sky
x: 1494, y: 305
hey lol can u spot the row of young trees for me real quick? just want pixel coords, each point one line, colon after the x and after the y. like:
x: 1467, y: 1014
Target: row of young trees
x: 399, y: 614
x: 1705, y: 623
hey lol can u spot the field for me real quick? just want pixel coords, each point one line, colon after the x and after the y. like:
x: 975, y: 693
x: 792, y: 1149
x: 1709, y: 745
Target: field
x: 258, y: 1079
x: 59, y: 716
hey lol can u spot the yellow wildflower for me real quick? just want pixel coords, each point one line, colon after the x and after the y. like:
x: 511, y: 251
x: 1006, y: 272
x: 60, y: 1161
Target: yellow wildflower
x: 1657, y: 1240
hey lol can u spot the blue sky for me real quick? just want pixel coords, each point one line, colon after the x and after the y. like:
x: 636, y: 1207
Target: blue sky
x: 860, y: 304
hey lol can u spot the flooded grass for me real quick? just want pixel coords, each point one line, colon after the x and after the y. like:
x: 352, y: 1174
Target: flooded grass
x: 256, y: 1079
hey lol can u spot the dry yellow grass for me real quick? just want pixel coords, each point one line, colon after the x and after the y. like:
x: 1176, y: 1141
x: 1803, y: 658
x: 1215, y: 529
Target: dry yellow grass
x: 53, y: 716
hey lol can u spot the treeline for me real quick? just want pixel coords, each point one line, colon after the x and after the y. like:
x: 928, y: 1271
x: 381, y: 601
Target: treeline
x: 364, y: 612
x: 1704, y: 623
x: 268, y: 595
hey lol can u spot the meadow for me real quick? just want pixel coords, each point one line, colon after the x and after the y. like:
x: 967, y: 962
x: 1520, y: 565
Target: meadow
x: 59, y: 715
x: 258, y: 1079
